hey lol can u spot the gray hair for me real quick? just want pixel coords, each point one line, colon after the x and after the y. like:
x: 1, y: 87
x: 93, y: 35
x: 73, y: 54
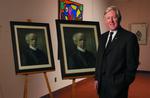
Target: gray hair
x: 28, y: 37
x: 117, y: 11
x: 76, y: 37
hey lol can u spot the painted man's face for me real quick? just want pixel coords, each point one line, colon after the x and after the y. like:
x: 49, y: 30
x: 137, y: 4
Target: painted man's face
x: 32, y: 40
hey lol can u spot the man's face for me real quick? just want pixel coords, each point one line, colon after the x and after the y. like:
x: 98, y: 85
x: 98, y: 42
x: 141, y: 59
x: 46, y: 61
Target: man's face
x: 81, y: 41
x: 32, y: 40
x: 111, y: 20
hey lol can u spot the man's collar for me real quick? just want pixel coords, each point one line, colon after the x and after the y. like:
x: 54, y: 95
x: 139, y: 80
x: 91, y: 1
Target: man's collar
x: 80, y: 49
x: 33, y: 48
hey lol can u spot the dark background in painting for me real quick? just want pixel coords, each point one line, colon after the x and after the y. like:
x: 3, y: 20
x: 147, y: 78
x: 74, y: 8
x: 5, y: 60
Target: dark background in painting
x: 90, y: 39
x: 41, y: 41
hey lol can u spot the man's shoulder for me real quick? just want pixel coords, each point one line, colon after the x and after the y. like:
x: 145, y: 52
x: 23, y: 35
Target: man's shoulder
x: 126, y: 32
x: 105, y: 33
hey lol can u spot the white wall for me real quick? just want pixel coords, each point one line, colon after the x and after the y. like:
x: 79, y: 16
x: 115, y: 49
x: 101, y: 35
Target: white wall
x: 137, y: 11
x: 12, y: 85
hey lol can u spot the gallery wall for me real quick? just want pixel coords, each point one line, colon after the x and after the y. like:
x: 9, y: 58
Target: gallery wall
x: 12, y: 85
x: 136, y: 11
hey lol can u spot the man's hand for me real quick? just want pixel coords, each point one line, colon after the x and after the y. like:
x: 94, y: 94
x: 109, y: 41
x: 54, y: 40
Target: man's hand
x: 96, y: 84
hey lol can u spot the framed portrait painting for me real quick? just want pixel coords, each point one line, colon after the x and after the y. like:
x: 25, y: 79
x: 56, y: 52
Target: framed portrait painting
x: 78, y: 44
x: 32, y: 47
x: 140, y: 30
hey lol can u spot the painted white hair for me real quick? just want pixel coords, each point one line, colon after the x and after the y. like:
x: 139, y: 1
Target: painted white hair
x: 76, y: 37
x: 28, y: 37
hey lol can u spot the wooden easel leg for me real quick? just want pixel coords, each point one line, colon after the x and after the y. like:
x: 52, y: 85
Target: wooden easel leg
x: 46, y: 78
x: 73, y: 88
x: 25, y: 86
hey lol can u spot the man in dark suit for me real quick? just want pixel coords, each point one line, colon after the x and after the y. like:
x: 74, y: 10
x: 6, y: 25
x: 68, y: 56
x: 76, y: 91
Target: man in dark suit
x: 117, y: 58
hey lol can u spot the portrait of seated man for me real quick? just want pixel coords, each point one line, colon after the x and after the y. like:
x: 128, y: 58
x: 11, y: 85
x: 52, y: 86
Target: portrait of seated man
x: 31, y: 54
x: 80, y: 57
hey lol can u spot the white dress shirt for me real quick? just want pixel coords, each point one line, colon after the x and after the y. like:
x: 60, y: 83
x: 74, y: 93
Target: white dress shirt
x: 113, y: 35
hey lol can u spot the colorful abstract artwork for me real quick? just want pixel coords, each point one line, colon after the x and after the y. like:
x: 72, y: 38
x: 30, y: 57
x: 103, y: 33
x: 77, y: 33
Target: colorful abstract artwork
x: 69, y: 10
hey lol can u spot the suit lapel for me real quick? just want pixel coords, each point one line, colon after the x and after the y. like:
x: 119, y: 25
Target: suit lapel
x: 114, y: 42
x: 104, y: 41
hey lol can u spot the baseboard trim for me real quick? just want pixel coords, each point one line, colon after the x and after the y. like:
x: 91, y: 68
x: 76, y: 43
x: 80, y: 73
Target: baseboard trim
x: 143, y: 71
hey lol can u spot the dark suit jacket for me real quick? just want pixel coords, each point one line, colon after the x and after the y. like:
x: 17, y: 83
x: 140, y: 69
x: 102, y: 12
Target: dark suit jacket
x: 79, y: 60
x: 119, y: 62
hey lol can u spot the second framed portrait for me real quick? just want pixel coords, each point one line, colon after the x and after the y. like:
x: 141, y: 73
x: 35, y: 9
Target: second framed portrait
x: 32, y: 47
x: 78, y: 44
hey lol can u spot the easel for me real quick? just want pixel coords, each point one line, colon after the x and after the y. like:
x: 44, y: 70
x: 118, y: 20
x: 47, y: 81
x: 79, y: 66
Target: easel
x: 26, y: 85
x: 73, y: 88
x: 26, y: 81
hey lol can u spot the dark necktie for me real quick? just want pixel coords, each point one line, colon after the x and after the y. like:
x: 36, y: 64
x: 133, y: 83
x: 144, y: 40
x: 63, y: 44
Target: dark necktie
x: 110, y: 40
